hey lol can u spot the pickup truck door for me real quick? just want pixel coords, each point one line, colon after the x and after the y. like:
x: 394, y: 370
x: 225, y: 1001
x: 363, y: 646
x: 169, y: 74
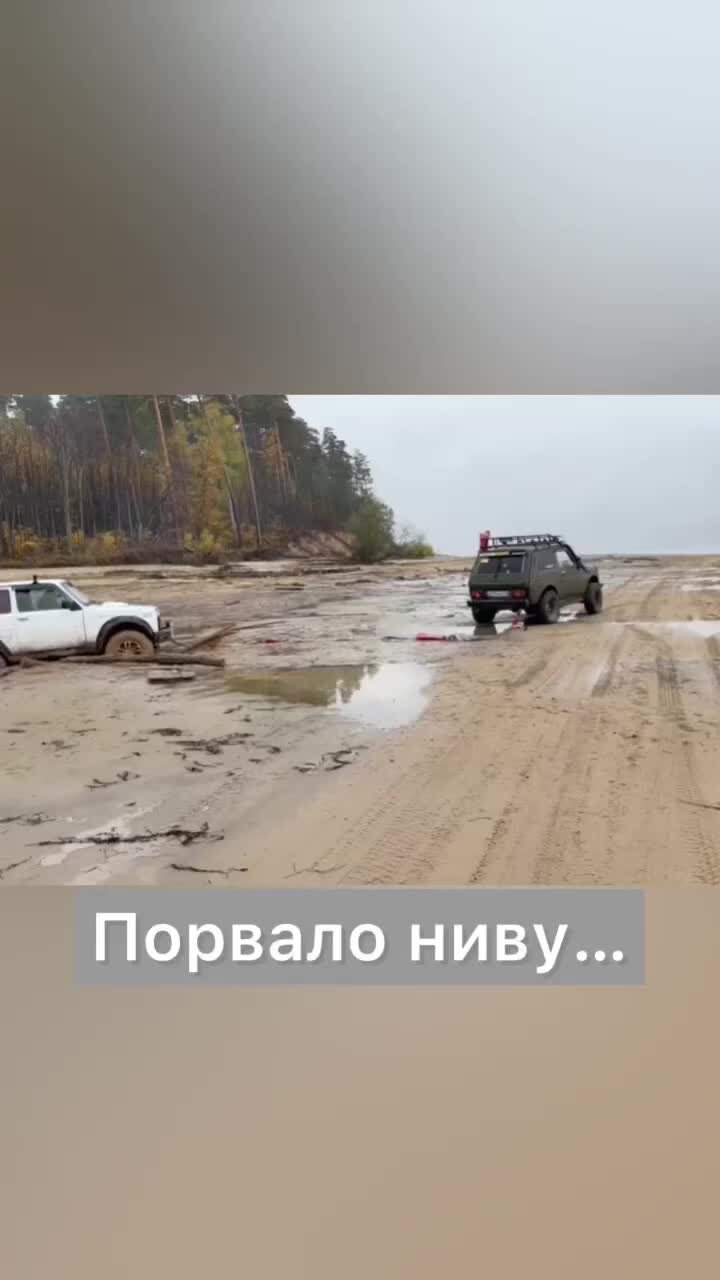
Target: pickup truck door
x: 47, y: 619
x: 7, y: 620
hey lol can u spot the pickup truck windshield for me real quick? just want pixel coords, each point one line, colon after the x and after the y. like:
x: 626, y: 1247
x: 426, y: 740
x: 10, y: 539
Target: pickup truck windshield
x: 77, y: 594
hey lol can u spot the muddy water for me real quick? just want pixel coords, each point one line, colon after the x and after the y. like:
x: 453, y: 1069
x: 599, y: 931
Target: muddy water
x: 380, y: 651
x: 309, y: 686
x: 392, y: 695
x: 385, y: 695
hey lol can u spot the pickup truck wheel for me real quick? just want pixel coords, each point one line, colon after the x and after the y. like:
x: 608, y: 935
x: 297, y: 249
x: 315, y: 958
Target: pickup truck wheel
x: 593, y: 599
x: 483, y: 614
x: 129, y: 644
x: 548, y: 609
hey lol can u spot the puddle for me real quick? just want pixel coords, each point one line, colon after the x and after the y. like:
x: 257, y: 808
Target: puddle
x: 389, y: 696
x: 698, y: 626
x: 383, y: 696
x: 309, y: 686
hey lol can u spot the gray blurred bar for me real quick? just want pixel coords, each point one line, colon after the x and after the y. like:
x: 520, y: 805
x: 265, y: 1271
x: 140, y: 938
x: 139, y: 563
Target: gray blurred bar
x: 527, y: 937
x: 360, y: 196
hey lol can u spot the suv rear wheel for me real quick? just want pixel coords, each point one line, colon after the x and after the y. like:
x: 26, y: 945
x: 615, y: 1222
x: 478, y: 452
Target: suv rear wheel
x: 129, y: 644
x: 548, y: 609
x: 483, y: 614
x: 593, y: 599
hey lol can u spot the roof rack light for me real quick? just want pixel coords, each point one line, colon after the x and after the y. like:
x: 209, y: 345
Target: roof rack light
x: 526, y: 540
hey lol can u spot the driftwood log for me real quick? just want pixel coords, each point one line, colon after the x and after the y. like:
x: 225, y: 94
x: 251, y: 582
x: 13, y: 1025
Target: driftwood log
x: 211, y: 638
x: 163, y: 659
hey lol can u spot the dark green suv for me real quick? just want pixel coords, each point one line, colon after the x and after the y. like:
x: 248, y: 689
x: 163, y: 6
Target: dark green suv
x: 538, y: 573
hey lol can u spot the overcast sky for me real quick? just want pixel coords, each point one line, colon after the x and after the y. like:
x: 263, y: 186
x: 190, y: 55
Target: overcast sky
x: 610, y: 473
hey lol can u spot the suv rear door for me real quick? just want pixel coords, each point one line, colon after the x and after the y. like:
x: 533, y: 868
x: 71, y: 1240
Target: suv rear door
x: 47, y: 619
x: 498, y: 574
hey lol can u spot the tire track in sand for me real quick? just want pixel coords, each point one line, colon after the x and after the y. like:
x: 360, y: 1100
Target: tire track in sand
x: 426, y: 819
x: 402, y: 836
x: 511, y: 833
x: 699, y: 843
x: 635, y: 607
x: 605, y: 680
x: 713, y: 648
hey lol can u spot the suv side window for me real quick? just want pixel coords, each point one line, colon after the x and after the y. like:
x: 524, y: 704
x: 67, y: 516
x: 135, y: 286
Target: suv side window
x: 40, y: 597
x: 546, y: 560
x: 565, y: 561
x: 5, y: 604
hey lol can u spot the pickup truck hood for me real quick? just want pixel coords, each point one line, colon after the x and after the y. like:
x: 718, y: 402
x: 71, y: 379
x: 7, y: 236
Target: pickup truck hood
x: 122, y: 607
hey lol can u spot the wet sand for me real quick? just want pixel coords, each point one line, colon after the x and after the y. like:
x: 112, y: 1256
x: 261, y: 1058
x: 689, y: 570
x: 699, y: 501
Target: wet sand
x: 337, y: 749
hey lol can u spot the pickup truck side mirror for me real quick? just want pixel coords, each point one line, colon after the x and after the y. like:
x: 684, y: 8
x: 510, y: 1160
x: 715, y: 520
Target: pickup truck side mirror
x: 70, y: 604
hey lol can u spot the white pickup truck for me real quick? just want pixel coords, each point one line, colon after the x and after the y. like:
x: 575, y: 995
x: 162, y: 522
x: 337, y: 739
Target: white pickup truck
x: 53, y: 616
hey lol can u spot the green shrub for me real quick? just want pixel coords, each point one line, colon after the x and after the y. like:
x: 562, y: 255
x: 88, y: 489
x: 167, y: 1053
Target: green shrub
x: 206, y: 547
x: 410, y: 544
x: 413, y: 550
x: 372, y: 528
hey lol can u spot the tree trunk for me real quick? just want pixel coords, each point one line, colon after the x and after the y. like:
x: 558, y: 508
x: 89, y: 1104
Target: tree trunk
x: 186, y: 503
x: 111, y: 464
x: 65, y: 465
x: 168, y: 468
x: 251, y: 476
x: 228, y: 485
x: 81, y: 499
x: 134, y: 475
x: 231, y: 507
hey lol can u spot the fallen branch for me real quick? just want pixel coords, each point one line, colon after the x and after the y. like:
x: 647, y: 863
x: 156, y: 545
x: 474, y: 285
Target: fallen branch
x: 315, y: 868
x: 330, y: 761
x: 211, y: 638
x: 213, y: 745
x: 699, y: 804
x: 185, y: 835
x: 27, y: 819
x: 125, y: 776
x: 163, y: 659
x: 207, y: 871
x: 171, y: 677
x: 12, y: 865
x: 253, y: 626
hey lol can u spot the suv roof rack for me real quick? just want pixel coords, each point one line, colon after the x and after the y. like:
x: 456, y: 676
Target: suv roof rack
x: 527, y: 540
